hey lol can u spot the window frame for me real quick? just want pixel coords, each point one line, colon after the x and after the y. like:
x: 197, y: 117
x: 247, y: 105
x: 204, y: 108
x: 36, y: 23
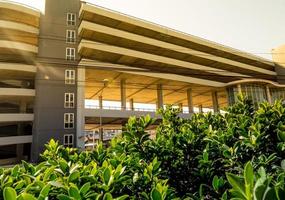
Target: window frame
x: 69, y: 100
x: 69, y: 19
x: 68, y: 121
x: 68, y: 53
x: 69, y: 76
x: 68, y: 143
x: 70, y: 36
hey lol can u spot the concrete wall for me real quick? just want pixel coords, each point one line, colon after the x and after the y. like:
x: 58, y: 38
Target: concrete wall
x: 52, y: 63
x: 278, y: 57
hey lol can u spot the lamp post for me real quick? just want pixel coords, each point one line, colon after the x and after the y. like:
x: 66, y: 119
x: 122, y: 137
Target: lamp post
x: 101, y: 135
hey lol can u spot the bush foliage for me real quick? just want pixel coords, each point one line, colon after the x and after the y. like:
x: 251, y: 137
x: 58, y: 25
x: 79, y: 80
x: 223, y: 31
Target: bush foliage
x: 236, y: 155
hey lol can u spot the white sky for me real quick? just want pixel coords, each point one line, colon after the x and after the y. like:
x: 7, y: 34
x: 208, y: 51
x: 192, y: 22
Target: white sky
x: 255, y: 26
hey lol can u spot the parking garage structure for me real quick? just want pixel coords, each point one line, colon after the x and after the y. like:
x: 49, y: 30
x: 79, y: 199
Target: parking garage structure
x: 134, y: 62
x: 19, y: 29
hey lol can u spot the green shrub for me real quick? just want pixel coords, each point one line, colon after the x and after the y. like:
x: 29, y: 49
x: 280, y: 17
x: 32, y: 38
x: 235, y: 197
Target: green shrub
x: 196, y: 153
x: 198, y: 158
x: 257, y: 186
x: 67, y: 174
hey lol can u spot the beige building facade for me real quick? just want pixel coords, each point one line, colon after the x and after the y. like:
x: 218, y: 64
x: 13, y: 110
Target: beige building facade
x: 78, y: 71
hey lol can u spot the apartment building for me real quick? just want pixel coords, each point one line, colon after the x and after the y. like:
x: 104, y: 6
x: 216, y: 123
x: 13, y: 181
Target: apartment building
x: 78, y: 68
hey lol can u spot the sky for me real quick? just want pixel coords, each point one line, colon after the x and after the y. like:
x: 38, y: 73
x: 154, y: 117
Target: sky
x: 254, y: 26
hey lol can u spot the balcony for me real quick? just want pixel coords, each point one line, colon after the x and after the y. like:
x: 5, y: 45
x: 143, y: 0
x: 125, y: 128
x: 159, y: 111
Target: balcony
x: 16, y: 117
x: 17, y: 92
x: 20, y: 13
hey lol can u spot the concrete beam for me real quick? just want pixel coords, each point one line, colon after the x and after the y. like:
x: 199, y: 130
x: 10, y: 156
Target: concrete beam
x: 4, y: 24
x: 17, y: 92
x: 18, y: 46
x: 19, y: 117
x: 154, y: 58
x: 165, y: 31
x: 85, y: 25
x: 15, y: 140
x: 80, y: 125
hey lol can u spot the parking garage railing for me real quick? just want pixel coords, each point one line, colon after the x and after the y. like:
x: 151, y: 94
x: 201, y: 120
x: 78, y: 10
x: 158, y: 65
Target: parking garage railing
x: 119, y: 108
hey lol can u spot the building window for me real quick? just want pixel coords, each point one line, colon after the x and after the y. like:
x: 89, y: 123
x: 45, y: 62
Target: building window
x: 71, y: 19
x: 70, y: 76
x: 255, y: 92
x: 70, y: 36
x: 278, y: 94
x: 69, y: 100
x: 70, y: 53
x: 68, y: 140
x: 68, y: 120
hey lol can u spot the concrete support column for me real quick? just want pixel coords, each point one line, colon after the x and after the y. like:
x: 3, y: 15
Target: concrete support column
x: 159, y: 96
x: 268, y: 94
x: 239, y: 88
x: 180, y: 105
x: 200, y: 108
x: 101, y: 130
x: 101, y: 134
x: 20, y: 129
x: 100, y: 102
x: 132, y: 104
x: 190, y: 100
x: 80, y: 120
x: 215, y: 101
x: 123, y: 95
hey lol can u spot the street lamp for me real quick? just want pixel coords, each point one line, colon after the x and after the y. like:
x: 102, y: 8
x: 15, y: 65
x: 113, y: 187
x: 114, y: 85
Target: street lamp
x: 101, y: 136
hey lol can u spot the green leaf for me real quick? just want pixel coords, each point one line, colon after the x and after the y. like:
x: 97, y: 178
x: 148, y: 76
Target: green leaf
x: 215, y: 183
x: 281, y: 194
x: 237, y: 184
x: 44, y: 192
x: 106, y: 175
x: 259, y: 192
x: 74, y: 192
x: 249, y: 174
x: 56, y: 184
x: 85, y: 188
x: 107, y: 196
x: 63, y: 166
x: 249, y: 180
x: 122, y: 197
x: 73, y: 176
x: 15, y: 170
x: 281, y: 136
x: 283, y: 164
x: 64, y: 197
x: 19, y: 185
x: 9, y: 194
x: 270, y: 195
x: 26, y: 196
x: 48, y: 173
x: 155, y: 194
x: 225, y: 196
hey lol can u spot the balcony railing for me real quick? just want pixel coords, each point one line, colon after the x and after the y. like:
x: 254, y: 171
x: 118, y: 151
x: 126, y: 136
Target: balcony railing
x: 120, y: 108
